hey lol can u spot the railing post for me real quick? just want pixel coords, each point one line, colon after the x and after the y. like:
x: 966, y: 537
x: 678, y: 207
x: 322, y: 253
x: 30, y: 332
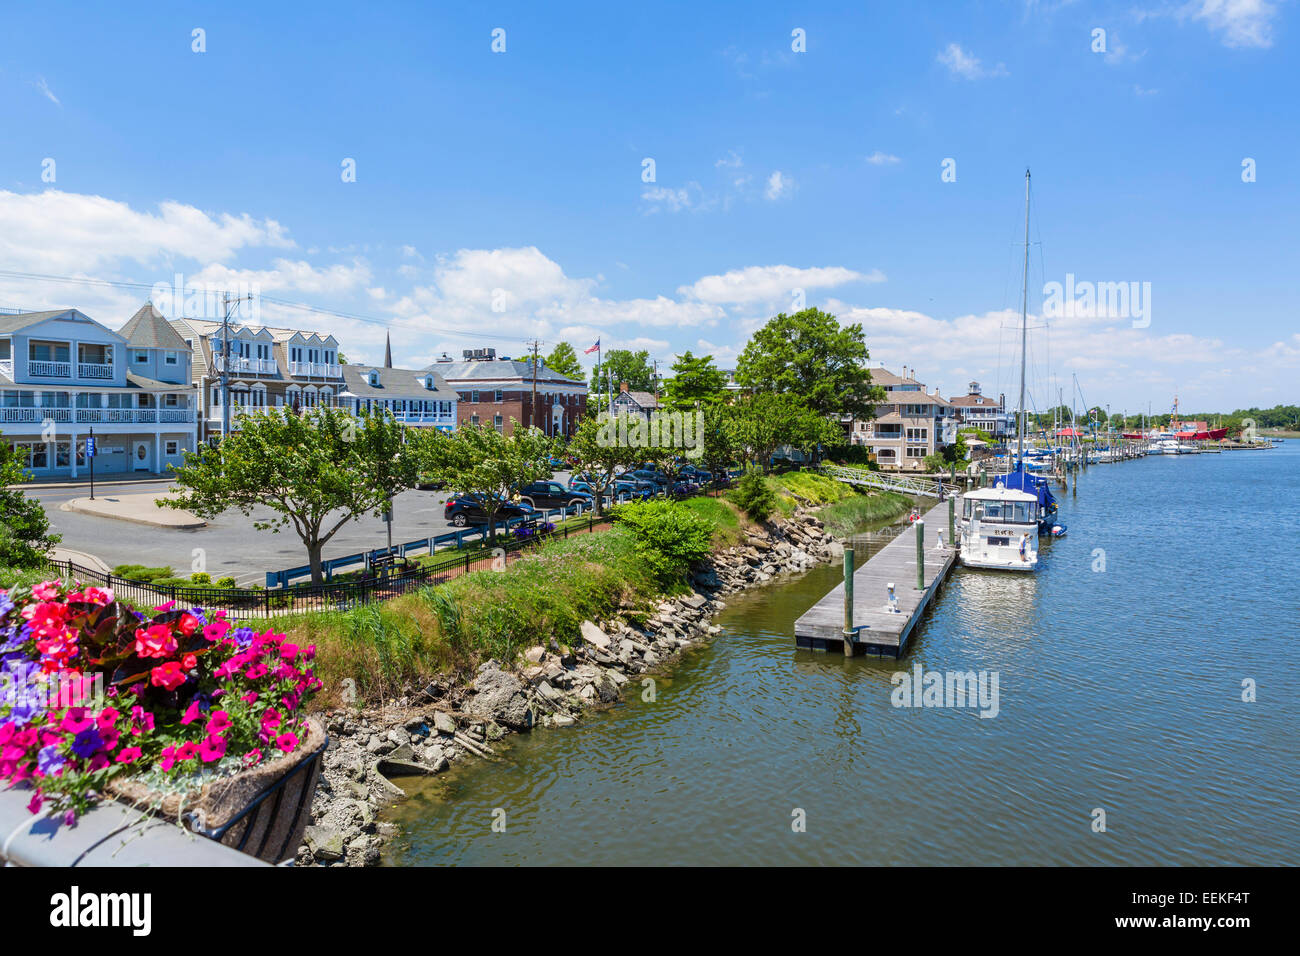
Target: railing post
x: 920, y: 555
x: 952, y: 522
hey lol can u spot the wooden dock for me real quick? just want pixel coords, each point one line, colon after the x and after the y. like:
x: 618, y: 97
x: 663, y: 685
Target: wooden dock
x: 879, y: 630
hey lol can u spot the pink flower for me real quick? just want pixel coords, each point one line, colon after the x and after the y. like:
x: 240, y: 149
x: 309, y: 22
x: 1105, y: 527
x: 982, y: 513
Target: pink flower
x: 270, y: 718
x: 287, y: 742
x: 188, y: 624
x: 165, y: 607
x: 168, y: 759
x: 214, y: 748
x: 187, y: 750
x: 129, y: 755
x: 250, y: 697
x: 218, y: 721
x: 288, y: 652
x: 189, y: 662
x: 34, y: 805
x: 192, y: 713
x: 155, y: 641
x: 46, y: 591
x: 107, y: 718
x: 253, y: 757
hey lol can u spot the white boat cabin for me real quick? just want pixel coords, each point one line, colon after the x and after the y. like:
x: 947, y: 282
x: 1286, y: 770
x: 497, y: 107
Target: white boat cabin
x: 999, y: 529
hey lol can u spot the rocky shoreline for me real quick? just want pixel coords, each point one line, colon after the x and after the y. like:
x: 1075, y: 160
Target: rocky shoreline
x: 447, y: 723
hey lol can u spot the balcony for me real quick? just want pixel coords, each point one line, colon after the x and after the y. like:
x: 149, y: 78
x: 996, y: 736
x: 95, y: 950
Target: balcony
x: 7, y: 367
x: 94, y: 370
x: 35, y: 416
x: 50, y: 369
x: 242, y: 364
x: 315, y: 370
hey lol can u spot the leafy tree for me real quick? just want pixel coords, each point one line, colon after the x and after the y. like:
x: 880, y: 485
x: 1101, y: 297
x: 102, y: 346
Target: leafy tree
x: 694, y: 380
x: 482, y: 461
x: 765, y: 421
x: 669, y: 536
x: 24, y: 529
x: 721, y: 444
x: 314, y: 471
x: 564, y: 360
x: 626, y: 366
x: 595, y: 449
x: 754, y: 495
x: 810, y: 355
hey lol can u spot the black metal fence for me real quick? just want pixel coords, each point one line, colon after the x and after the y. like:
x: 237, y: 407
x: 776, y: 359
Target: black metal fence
x: 377, y: 584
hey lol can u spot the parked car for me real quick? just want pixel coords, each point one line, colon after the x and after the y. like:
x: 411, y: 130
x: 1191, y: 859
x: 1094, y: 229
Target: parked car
x: 465, y: 510
x: 621, y: 486
x: 685, y: 489
x: 544, y: 495
x: 656, y: 478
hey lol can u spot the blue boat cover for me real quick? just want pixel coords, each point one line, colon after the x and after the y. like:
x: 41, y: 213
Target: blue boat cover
x: 1034, y: 484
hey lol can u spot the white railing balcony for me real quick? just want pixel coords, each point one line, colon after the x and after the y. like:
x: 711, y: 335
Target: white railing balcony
x: 94, y: 370
x: 315, y: 370
x: 35, y: 415
x: 175, y: 414
x: 7, y: 367
x: 240, y: 363
x: 50, y: 369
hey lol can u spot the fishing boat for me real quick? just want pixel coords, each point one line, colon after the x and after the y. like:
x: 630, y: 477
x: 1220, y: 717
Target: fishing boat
x: 1001, y: 524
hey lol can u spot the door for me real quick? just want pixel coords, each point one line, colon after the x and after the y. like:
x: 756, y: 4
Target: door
x: 140, y: 456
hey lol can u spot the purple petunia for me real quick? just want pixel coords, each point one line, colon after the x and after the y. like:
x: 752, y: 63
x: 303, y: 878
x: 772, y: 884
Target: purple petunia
x: 87, y: 743
x: 49, y: 760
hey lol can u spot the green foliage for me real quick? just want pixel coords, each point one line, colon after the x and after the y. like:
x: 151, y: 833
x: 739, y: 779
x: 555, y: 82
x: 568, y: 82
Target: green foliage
x: 226, y: 582
x: 765, y: 421
x: 564, y: 359
x: 142, y: 573
x: 852, y: 514
x: 314, y: 472
x: 754, y: 495
x: 849, y: 454
x: 810, y: 355
x: 694, y: 380
x: 25, y: 536
x: 594, y: 452
x: 485, y: 462
x: 721, y: 515
x: 814, y: 488
x: 669, y: 536
x: 201, y: 578
x: 625, y: 366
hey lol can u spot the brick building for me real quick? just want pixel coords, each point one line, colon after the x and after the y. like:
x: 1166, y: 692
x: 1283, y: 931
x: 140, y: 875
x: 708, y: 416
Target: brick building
x: 492, y: 391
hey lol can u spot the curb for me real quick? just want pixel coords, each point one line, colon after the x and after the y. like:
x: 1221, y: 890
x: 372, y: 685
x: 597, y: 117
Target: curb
x: 176, y: 524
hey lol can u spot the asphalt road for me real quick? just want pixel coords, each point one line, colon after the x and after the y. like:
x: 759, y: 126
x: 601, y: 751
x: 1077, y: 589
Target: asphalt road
x: 230, y: 545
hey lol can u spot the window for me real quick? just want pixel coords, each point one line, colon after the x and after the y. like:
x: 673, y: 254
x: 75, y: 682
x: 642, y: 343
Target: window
x: 918, y: 434
x: 171, y: 401
x: 4, y: 350
x: 171, y: 448
x: 473, y: 420
x: 473, y: 396
x: 140, y: 356
x: 916, y: 452
x: 171, y: 358
x: 498, y: 396
x: 496, y: 422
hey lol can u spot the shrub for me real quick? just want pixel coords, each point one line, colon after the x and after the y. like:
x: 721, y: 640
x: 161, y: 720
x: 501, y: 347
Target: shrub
x: 138, y: 572
x: 755, y: 496
x: 201, y: 578
x: 669, y: 536
x: 226, y: 582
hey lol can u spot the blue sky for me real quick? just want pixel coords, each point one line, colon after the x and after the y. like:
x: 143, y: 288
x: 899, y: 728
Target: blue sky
x: 500, y: 196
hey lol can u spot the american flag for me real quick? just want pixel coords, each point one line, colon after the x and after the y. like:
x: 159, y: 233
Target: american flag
x: 594, y: 348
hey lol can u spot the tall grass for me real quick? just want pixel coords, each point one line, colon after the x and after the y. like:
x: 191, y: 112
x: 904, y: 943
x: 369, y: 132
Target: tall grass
x: 851, y: 514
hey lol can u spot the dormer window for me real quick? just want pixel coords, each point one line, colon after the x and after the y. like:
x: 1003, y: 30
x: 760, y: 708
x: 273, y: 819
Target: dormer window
x: 374, y: 377
x: 428, y: 382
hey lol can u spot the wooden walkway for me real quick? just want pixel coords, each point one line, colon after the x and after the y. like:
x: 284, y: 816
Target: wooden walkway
x: 880, y: 631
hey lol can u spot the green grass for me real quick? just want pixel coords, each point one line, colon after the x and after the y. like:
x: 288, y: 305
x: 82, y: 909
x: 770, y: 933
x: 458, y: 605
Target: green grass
x: 813, y: 488
x: 852, y: 514
x: 728, y: 527
x: 23, y: 577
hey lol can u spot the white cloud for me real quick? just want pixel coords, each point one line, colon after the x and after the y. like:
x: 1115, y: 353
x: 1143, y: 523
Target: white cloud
x: 674, y: 200
x: 44, y: 88
x: 965, y: 65
x: 769, y: 284
x: 1241, y: 23
x: 779, y: 185
x: 879, y: 158
x: 731, y: 161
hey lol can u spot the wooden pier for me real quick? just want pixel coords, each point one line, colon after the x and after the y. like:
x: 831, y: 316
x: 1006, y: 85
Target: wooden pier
x: 879, y: 630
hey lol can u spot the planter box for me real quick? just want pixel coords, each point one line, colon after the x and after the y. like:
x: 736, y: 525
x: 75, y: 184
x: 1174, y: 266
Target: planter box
x: 262, y: 811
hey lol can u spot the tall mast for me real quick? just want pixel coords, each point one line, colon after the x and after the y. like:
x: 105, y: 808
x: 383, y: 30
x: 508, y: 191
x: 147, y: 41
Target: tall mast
x: 1024, y: 331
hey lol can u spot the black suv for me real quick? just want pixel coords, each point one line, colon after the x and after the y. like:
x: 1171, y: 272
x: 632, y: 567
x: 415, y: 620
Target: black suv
x: 465, y: 510
x: 544, y: 495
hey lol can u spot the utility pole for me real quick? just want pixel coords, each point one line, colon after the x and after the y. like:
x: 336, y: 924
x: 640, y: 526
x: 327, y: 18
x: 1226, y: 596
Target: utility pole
x: 532, y: 408
x: 228, y: 303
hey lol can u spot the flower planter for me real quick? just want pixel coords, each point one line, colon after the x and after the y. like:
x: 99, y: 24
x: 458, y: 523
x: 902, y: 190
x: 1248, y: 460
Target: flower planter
x: 262, y: 811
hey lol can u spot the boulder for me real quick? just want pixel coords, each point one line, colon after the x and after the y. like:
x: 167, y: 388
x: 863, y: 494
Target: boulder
x: 444, y: 723
x: 595, y: 636
x: 500, y: 696
x: 324, y: 843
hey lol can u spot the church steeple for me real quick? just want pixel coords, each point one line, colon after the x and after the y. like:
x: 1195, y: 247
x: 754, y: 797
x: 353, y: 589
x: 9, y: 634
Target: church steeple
x: 388, y: 350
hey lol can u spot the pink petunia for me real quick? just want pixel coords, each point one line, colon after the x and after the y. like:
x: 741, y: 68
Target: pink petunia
x: 218, y: 721
x: 169, y: 676
x: 213, y: 748
x: 288, y: 742
x: 192, y: 713
x: 128, y: 755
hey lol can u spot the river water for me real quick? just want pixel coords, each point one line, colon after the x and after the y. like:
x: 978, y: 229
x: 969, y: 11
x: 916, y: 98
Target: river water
x: 1120, y: 668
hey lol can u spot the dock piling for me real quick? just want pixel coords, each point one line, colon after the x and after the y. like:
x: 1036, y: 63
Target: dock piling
x: 952, y: 522
x: 848, y: 602
x: 920, y: 555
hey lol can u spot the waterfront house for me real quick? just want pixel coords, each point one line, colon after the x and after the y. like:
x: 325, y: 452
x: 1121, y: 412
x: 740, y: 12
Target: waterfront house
x: 493, y: 391
x: 910, y: 424
x: 977, y: 410
x: 63, y: 374
x: 417, y: 397
x: 268, y: 368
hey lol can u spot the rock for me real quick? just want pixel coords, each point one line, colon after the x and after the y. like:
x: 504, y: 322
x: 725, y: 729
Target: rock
x: 444, y: 723
x: 594, y: 636
x: 534, y: 654
x: 402, y: 762
x: 563, y: 720
x: 324, y: 843
x: 501, y: 697
x: 696, y: 601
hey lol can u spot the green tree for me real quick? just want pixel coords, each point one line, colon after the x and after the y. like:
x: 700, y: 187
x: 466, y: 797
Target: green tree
x: 694, y: 380
x: 564, y: 360
x: 24, y: 529
x: 721, y: 444
x: 483, y: 462
x: 810, y: 355
x: 765, y: 421
x: 626, y: 366
x: 314, y: 471
x: 596, y: 450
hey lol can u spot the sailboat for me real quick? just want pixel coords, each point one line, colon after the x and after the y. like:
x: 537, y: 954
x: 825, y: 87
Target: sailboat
x: 1000, y: 524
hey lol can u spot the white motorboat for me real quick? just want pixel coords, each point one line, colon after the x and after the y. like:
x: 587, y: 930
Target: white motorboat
x: 999, y: 529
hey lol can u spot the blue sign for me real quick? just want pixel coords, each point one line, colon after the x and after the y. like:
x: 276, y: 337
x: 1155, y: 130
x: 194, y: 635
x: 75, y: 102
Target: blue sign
x: 90, y: 446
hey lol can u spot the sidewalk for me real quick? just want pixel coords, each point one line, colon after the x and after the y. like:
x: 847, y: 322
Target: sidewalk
x: 83, y: 481
x: 138, y: 509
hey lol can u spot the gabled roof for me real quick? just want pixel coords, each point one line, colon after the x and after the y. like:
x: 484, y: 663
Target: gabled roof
x: 16, y: 323
x: 642, y: 399
x: 499, y: 370
x: 149, y: 329
x: 396, y: 383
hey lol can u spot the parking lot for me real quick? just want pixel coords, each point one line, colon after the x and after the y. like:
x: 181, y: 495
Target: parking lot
x: 229, y: 544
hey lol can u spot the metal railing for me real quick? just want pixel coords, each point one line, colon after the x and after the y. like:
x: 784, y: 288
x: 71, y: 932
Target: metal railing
x: 921, y: 485
x: 50, y: 369
x: 94, y: 369
x: 241, y: 363
x: 318, y: 369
